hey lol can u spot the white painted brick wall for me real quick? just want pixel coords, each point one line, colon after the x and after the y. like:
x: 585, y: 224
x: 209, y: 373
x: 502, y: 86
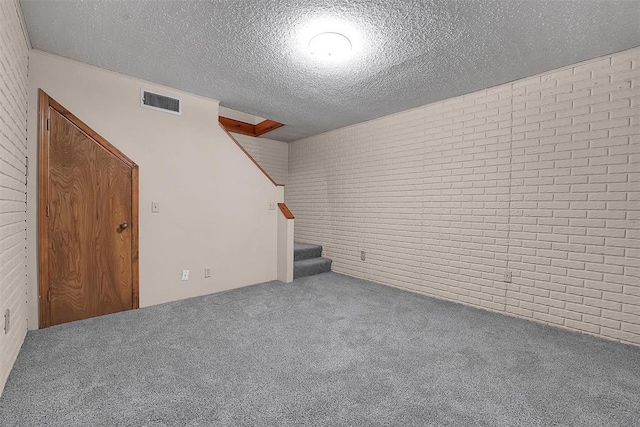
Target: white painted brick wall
x: 540, y: 176
x: 272, y: 155
x: 13, y: 149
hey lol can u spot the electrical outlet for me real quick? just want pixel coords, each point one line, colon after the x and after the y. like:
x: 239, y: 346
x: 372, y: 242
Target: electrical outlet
x: 207, y: 272
x: 185, y: 274
x: 507, y: 276
x: 7, y: 321
x: 272, y: 206
x: 155, y: 207
x: 363, y: 255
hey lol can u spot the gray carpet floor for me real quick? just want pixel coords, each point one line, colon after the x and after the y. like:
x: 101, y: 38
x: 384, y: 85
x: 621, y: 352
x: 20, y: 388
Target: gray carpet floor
x: 323, y: 350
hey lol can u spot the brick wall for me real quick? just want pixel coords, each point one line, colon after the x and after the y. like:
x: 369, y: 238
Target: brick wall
x: 540, y: 177
x: 13, y: 148
x: 272, y: 155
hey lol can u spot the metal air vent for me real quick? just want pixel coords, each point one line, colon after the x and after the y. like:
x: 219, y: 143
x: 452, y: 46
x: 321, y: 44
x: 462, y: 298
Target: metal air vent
x: 159, y: 102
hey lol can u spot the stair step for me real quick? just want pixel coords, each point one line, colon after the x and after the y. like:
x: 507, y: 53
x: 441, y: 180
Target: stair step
x: 309, y: 267
x: 303, y: 251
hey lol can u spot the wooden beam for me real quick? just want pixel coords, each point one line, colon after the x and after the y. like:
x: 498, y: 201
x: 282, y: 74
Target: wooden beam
x: 244, y: 128
x: 267, y: 126
x: 237, y: 126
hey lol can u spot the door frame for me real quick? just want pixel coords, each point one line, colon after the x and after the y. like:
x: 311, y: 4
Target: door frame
x: 45, y: 101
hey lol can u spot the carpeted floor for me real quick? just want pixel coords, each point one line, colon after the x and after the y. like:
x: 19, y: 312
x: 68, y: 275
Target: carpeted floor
x: 324, y: 350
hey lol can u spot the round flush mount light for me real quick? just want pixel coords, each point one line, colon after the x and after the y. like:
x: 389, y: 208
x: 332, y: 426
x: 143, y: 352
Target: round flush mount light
x: 330, y: 46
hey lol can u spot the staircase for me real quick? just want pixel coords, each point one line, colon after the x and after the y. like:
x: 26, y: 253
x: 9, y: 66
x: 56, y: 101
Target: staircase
x: 307, y: 260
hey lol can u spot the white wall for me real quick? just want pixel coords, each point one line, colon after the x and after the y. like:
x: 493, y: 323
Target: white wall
x: 213, y: 200
x: 272, y: 155
x: 540, y: 177
x: 285, y: 249
x: 14, y: 62
x: 239, y: 115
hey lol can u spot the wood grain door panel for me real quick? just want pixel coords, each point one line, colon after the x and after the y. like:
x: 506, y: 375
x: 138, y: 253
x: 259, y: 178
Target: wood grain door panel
x: 90, y: 237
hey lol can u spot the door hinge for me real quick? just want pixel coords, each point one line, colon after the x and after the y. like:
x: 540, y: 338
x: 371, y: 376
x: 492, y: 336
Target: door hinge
x: 49, y: 295
x: 48, y: 120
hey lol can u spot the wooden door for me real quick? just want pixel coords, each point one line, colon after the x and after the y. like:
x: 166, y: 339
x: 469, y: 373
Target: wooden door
x: 88, y: 230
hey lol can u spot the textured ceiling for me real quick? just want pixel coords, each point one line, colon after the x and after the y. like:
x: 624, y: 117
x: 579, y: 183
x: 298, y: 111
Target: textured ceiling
x: 252, y: 56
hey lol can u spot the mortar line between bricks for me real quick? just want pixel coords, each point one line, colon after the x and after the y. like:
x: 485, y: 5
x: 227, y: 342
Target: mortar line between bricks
x: 509, y: 196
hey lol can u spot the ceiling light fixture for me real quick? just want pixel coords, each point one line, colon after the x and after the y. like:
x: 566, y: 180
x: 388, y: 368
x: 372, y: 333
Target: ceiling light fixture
x: 331, y: 46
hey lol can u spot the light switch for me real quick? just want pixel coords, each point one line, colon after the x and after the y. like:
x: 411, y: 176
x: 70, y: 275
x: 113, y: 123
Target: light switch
x: 185, y: 274
x: 272, y: 206
x: 155, y: 207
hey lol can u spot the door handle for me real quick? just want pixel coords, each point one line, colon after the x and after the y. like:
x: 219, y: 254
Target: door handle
x: 124, y: 226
